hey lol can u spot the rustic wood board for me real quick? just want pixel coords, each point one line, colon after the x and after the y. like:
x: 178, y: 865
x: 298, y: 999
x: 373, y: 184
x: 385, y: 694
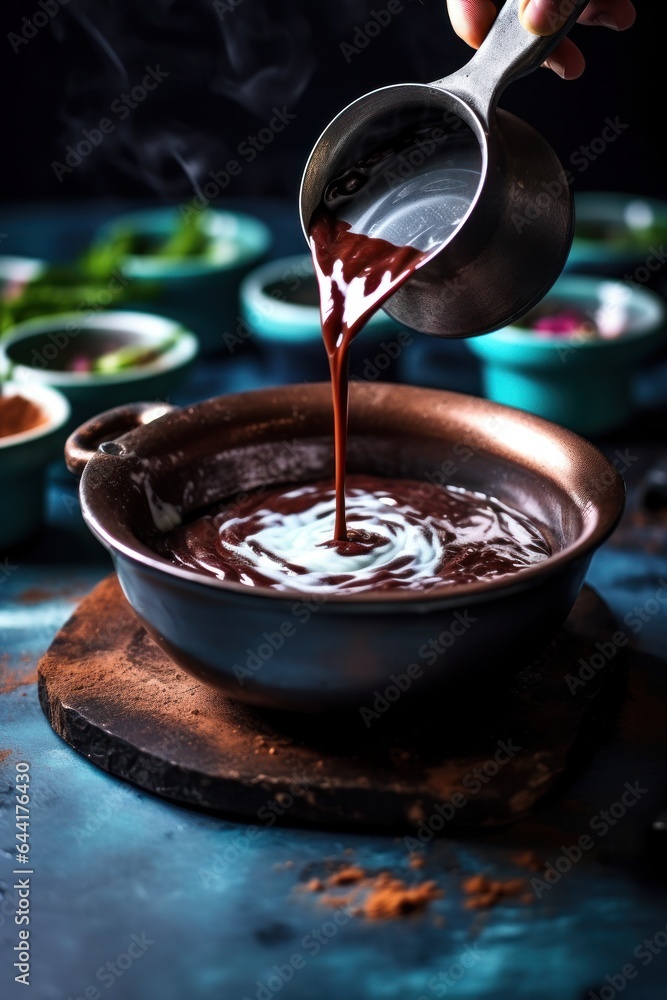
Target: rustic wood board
x: 440, y: 766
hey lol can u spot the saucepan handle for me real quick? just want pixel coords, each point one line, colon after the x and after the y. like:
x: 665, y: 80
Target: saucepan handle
x: 87, y: 439
x: 509, y: 51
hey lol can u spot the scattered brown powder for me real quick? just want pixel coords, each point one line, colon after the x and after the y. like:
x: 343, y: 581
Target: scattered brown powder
x: 417, y: 861
x: 483, y: 892
x: 390, y: 898
x: 346, y: 876
x: 376, y: 897
x: 335, y: 900
x: 4, y: 754
x: 35, y: 595
x: 12, y: 679
x: 529, y: 860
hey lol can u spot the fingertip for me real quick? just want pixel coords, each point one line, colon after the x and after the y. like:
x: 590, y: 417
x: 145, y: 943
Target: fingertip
x: 616, y: 14
x: 566, y: 60
x: 472, y: 19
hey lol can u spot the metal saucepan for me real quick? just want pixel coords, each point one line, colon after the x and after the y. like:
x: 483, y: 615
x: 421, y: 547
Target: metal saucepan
x: 338, y: 652
x: 498, y: 223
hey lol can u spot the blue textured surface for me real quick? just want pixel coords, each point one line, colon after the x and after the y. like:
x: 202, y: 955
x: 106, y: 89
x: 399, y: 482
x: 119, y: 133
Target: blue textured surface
x: 110, y: 861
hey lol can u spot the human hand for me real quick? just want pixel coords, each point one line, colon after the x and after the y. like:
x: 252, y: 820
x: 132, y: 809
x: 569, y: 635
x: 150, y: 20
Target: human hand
x: 471, y: 20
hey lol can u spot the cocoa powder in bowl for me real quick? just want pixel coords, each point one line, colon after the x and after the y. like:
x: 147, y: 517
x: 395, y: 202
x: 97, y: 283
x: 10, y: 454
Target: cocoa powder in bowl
x: 18, y: 414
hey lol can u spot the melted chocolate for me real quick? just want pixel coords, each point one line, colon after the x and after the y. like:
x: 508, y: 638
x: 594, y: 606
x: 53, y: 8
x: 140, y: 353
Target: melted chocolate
x: 356, y: 274
x: 404, y: 534
x: 380, y: 534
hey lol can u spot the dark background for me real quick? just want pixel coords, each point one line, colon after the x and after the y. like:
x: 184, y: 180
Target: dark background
x: 229, y: 67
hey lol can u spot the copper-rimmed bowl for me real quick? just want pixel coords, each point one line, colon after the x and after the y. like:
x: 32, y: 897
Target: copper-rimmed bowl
x: 338, y: 652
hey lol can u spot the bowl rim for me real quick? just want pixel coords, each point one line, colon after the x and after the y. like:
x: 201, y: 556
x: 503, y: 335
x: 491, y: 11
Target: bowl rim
x: 255, y: 242
x: 583, y: 285
x: 28, y: 268
x: 53, y: 402
x: 593, y: 535
x: 181, y: 353
x: 608, y: 206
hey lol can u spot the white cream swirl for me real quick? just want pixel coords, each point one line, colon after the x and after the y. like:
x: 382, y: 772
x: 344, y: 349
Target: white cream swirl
x: 294, y: 550
x: 402, y: 534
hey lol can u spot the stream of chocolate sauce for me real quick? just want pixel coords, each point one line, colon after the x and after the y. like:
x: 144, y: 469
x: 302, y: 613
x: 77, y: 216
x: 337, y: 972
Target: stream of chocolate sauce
x: 355, y: 274
x: 401, y: 533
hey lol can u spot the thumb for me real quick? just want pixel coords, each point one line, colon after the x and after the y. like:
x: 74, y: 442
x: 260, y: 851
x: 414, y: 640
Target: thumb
x: 543, y: 17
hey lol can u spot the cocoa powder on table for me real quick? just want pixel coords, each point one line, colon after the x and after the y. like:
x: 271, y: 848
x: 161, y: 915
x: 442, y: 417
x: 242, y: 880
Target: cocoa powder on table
x: 483, y: 893
x: 376, y: 897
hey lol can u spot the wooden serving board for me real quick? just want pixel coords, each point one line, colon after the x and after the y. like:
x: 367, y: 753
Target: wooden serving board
x: 471, y: 759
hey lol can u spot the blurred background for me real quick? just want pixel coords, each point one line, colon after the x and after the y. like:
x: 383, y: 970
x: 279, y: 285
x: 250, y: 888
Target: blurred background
x: 231, y: 61
x: 204, y: 112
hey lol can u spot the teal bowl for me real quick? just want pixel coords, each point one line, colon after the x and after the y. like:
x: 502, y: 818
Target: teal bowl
x: 586, y: 385
x: 201, y: 292
x: 24, y: 458
x: 36, y: 352
x: 280, y: 311
x: 618, y: 235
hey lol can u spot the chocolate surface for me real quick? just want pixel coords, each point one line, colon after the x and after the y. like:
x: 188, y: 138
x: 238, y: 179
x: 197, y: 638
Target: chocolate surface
x: 401, y: 534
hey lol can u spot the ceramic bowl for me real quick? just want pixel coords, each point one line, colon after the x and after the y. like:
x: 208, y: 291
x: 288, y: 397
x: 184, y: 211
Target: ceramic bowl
x: 200, y: 292
x: 617, y: 235
x: 584, y: 384
x: 15, y: 273
x: 340, y: 650
x: 280, y: 310
x: 23, y: 461
x: 37, y: 350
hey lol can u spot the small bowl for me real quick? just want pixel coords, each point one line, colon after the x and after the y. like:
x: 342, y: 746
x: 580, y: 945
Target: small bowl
x: 585, y: 385
x: 617, y: 235
x: 280, y: 308
x: 32, y: 351
x: 201, y: 292
x: 23, y: 461
x: 341, y: 649
x: 15, y: 273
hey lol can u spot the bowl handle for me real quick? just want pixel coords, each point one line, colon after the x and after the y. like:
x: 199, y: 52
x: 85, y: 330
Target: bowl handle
x: 87, y: 439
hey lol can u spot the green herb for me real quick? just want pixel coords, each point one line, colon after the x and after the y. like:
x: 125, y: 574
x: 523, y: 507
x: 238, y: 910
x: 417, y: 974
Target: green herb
x: 130, y: 357
x: 188, y: 238
x: 84, y: 285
